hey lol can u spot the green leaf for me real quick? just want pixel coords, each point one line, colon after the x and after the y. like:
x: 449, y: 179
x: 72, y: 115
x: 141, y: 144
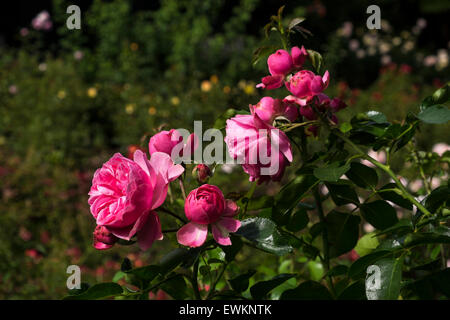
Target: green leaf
x: 173, y: 259
x: 295, y: 22
x: 233, y: 250
x: 379, y: 213
x: 394, y: 196
x: 343, y: 232
x: 176, y: 287
x: 291, y: 193
x: 261, y: 289
x: 436, y: 114
x: 240, y: 283
x: 98, y: 291
x: 440, y: 234
x: 264, y: 234
x: 366, y: 244
x: 337, y: 271
x: 298, y: 220
x: 260, y: 203
x: 145, y: 274
x: 315, y: 58
x: 308, y: 290
x: 389, y: 282
x: 261, y: 53
x: 363, y: 176
x: 316, y: 270
x: 355, y: 291
x: 331, y: 173
x: 358, y: 268
x: 437, y: 198
x: 342, y: 193
x: 376, y: 116
x: 345, y: 127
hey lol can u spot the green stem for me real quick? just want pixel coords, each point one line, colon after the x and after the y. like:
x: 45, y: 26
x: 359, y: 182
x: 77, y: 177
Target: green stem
x: 172, y: 214
x: 195, y: 281
x: 386, y: 169
x: 326, y: 247
x: 216, y: 281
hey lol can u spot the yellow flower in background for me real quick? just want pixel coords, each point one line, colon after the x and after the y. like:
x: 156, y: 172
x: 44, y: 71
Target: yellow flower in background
x: 152, y: 111
x: 226, y: 89
x: 214, y: 79
x: 206, y: 86
x: 129, y: 108
x: 92, y: 92
x: 134, y: 46
x: 249, y: 89
x: 61, y: 94
x: 175, y: 101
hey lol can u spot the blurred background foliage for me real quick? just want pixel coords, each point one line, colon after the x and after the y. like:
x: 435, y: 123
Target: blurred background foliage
x: 69, y: 99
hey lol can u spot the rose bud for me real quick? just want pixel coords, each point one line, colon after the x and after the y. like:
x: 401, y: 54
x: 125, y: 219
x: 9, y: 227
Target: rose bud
x: 298, y: 56
x: 103, y: 239
x: 202, y: 173
x: 305, y: 83
x: 280, y: 62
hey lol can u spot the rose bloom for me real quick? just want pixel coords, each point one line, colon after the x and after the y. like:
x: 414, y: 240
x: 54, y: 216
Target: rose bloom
x: 205, y: 206
x: 305, y: 83
x: 124, y: 195
x: 165, y: 141
x: 280, y: 64
x: 268, y: 109
x: 247, y: 136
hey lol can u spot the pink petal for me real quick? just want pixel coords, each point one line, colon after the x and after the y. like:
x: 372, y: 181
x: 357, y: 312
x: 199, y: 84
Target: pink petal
x: 150, y: 231
x: 101, y: 246
x: 222, y: 228
x: 231, y: 208
x: 192, y: 234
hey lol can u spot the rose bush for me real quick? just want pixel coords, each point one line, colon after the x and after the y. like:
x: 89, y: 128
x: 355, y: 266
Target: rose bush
x: 338, y: 215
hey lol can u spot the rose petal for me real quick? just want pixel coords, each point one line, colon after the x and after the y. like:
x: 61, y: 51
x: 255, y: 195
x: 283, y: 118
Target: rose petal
x: 192, y: 234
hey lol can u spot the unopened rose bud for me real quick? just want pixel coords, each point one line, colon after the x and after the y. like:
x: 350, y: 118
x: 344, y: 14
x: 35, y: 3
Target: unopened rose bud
x: 202, y: 173
x: 103, y: 238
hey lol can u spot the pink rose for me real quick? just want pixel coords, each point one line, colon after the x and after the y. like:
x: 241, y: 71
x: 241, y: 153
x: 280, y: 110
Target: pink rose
x: 207, y: 205
x: 263, y: 150
x: 298, y: 56
x: 166, y: 141
x: 280, y: 62
x: 125, y: 193
x: 268, y: 109
x: 305, y: 83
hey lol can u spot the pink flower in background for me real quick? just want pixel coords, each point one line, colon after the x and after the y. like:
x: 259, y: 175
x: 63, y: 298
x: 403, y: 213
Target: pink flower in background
x: 380, y: 156
x: 42, y: 21
x: 202, y: 173
x: 24, y: 32
x: 280, y: 64
x: 305, y: 83
x: 441, y: 148
x: 205, y: 206
x: 165, y: 141
x: 125, y: 193
x: 33, y: 254
x: 24, y: 234
x: 13, y: 89
x: 78, y: 55
x: 261, y: 149
x: 268, y: 109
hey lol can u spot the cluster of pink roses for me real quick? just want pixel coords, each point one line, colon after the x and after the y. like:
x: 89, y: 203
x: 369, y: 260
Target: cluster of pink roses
x: 125, y: 194
x: 42, y: 21
x: 247, y: 135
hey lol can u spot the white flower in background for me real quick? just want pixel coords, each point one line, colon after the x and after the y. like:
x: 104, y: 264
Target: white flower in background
x: 380, y: 156
x: 368, y: 228
x: 42, y: 66
x: 385, y: 26
x: 346, y: 30
x: 442, y: 59
x: 435, y: 182
x: 421, y: 23
x: 429, y: 61
x: 396, y: 41
x: 385, y: 59
x: 416, y: 185
x: 13, y: 89
x: 408, y: 46
x: 353, y: 44
x: 371, y: 51
x: 360, y: 53
x: 384, y: 47
x: 78, y: 55
x: 441, y: 148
